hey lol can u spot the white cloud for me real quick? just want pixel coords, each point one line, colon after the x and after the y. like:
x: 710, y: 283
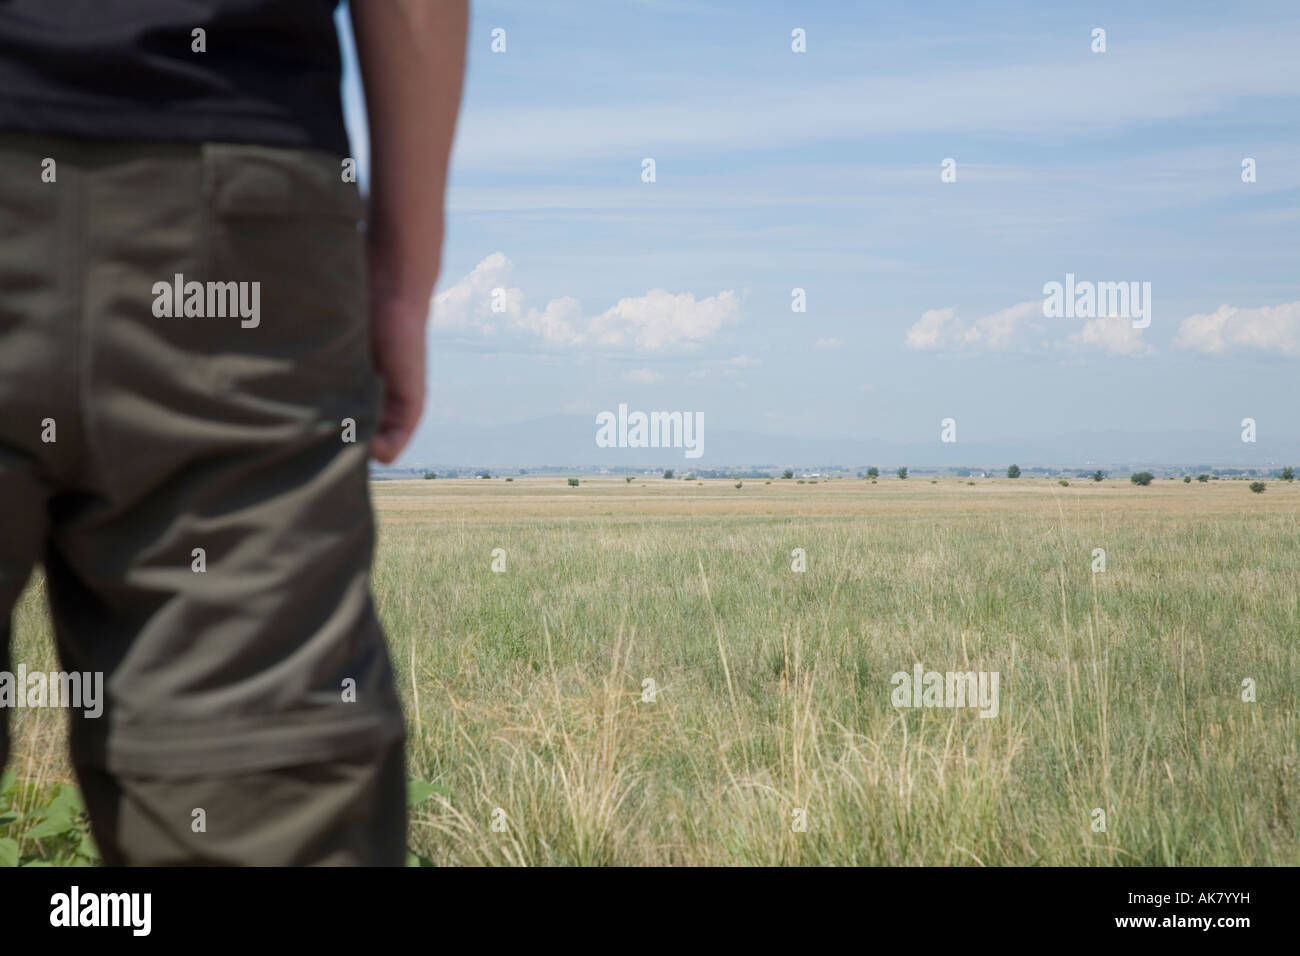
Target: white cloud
x: 1275, y: 328
x: 936, y: 328
x: 658, y: 321
x: 1114, y: 336
x: 1021, y: 327
x: 719, y: 368
x: 643, y: 376
x: 943, y: 330
x: 661, y: 320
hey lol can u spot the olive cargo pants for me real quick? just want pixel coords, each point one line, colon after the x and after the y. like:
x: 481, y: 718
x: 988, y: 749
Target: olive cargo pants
x: 186, y: 398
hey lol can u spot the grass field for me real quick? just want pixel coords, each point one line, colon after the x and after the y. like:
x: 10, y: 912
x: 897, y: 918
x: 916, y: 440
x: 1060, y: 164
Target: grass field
x: 1119, y: 691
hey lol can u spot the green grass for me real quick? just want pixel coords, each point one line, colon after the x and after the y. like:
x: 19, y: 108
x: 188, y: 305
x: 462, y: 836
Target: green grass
x: 1120, y: 691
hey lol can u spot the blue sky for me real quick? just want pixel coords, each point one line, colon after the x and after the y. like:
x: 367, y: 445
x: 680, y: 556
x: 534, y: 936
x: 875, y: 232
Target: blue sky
x: 820, y: 170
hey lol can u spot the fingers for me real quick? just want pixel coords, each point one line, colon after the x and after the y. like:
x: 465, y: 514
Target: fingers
x: 397, y: 424
x: 398, y: 351
x: 388, y: 444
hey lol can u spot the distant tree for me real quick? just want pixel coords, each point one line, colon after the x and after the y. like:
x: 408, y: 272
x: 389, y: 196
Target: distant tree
x: 1187, y: 479
x: 1141, y: 478
x: 1013, y: 471
x: 485, y: 474
x: 739, y: 483
x: 573, y: 482
x: 628, y: 479
x: 1202, y: 477
x: 668, y: 473
x: 1257, y: 486
x: 1098, y: 475
x: 1063, y: 483
x: 1287, y: 473
x: 788, y: 473
x: 873, y: 472
x: 902, y: 472
x: 430, y: 474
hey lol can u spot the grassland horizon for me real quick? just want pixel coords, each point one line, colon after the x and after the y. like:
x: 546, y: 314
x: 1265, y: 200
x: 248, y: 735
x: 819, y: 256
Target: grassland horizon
x: 637, y: 673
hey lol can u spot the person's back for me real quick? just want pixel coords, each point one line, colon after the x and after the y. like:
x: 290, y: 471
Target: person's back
x: 258, y: 71
x: 200, y: 347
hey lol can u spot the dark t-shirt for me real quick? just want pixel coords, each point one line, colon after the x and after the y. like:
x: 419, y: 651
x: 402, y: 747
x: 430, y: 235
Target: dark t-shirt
x: 127, y: 69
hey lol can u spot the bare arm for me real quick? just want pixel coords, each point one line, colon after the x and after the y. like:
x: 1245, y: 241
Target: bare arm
x: 412, y: 55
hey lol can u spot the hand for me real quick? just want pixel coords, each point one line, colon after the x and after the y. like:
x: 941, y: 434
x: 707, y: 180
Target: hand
x: 397, y: 332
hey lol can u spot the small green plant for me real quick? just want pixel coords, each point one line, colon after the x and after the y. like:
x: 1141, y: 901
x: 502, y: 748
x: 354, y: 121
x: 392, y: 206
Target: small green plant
x: 668, y: 474
x: 1098, y: 476
x: 1013, y: 471
x: 573, y: 482
x: 739, y: 484
x: 1143, y: 478
x: 628, y: 479
x: 417, y: 791
x: 788, y: 473
x: 430, y: 475
x: 1257, y: 487
x: 1063, y: 483
x: 1287, y: 473
x: 485, y: 474
x: 52, y: 830
x: 873, y: 472
x: 1187, y: 479
x: 509, y: 479
x: 1203, y: 478
x: 902, y: 473
x: 970, y: 483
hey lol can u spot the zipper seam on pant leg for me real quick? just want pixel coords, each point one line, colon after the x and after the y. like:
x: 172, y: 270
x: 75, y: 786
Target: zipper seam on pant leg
x: 94, y: 469
x: 76, y: 301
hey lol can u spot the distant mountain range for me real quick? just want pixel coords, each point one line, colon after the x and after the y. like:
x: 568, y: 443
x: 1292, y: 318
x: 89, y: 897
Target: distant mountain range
x: 569, y: 441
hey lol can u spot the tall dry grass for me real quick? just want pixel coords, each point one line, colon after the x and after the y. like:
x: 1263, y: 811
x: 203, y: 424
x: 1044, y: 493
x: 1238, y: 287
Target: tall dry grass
x: 1120, y: 691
